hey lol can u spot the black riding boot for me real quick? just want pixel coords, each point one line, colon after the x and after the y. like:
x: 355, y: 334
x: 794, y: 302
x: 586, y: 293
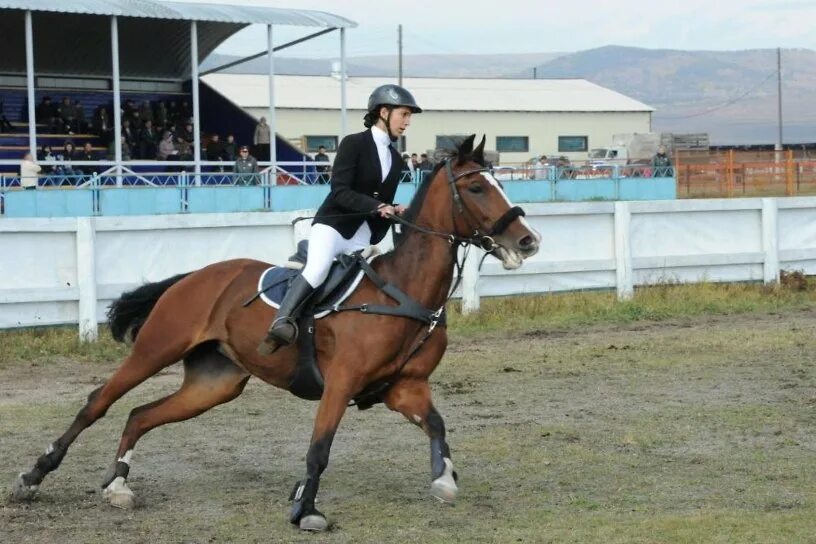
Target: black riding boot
x: 284, y: 329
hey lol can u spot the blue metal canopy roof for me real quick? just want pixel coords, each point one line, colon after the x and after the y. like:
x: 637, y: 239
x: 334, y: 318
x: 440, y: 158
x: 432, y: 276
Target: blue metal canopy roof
x: 73, y: 37
x: 221, y: 13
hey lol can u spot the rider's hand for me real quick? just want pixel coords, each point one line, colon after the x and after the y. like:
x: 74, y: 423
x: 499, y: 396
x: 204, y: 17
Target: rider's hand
x: 385, y: 210
x: 400, y: 209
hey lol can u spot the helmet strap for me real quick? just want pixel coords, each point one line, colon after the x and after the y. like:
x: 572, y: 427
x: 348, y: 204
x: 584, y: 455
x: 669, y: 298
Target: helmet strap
x: 387, y: 121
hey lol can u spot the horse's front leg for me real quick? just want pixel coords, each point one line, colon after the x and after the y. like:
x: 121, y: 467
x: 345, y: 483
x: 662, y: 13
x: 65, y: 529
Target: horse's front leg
x: 412, y: 398
x: 329, y: 413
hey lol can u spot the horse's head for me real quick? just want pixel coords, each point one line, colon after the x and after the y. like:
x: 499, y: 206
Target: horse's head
x: 480, y: 208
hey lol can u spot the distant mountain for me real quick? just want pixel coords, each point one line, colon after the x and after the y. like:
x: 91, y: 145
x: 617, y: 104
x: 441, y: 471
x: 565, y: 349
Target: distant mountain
x: 732, y: 95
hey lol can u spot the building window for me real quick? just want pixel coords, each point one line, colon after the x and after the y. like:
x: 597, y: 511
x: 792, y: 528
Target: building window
x: 313, y: 143
x: 451, y: 141
x: 512, y: 144
x: 572, y: 143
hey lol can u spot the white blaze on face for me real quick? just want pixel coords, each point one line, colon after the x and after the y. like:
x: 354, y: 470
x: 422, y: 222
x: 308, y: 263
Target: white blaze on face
x: 495, y: 183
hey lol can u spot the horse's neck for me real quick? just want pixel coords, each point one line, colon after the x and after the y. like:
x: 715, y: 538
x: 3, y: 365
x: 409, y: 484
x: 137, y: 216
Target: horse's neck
x: 422, y: 267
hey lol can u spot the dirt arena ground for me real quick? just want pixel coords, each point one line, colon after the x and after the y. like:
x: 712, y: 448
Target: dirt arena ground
x: 692, y: 430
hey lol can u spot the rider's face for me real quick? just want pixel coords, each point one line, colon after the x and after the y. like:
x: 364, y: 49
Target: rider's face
x: 400, y: 120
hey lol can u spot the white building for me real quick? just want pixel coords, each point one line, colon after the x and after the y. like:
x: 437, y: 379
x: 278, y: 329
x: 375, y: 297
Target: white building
x: 520, y: 117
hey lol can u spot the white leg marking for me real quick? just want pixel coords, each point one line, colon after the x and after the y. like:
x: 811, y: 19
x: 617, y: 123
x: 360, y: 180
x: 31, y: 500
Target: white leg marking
x: 444, y: 488
x: 126, y: 457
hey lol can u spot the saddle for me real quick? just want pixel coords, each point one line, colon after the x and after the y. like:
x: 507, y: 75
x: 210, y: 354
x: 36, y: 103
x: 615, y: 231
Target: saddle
x: 344, y: 276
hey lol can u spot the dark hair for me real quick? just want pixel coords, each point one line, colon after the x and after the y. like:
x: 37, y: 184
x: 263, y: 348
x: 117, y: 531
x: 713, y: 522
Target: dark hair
x: 371, y: 117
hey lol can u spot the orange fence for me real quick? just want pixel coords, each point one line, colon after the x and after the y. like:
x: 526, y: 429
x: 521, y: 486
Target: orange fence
x: 734, y: 174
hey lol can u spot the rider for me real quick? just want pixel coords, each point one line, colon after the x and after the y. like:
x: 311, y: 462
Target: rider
x: 364, y: 179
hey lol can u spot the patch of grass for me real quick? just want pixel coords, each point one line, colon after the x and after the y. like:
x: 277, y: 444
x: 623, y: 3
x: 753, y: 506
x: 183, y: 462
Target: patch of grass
x: 654, y: 303
x: 52, y: 344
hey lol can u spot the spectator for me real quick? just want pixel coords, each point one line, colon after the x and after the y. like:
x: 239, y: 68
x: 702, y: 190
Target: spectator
x: 129, y: 136
x: 160, y: 115
x: 67, y: 155
x: 5, y: 126
x: 101, y: 124
x: 425, y: 165
x: 230, y: 149
x: 661, y: 164
x: 185, y: 149
x: 67, y: 115
x: 81, y: 118
x: 126, y: 153
x: 167, y: 149
x: 146, y: 111
x: 246, y: 168
x: 407, y: 168
x: 322, y: 169
x: 87, y: 154
x: 215, y: 149
x: 187, y: 133
x: 46, y: 154
x: 29, y: 172
x: 148, y: 142
x: 47, y: 113
x: 261, y: 139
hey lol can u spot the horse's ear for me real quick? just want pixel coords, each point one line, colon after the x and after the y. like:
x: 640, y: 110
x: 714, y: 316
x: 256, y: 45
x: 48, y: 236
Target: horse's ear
x: 466, y: 148
x: 478, y: 153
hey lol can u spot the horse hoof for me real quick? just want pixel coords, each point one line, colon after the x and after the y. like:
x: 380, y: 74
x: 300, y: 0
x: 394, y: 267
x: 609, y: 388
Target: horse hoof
x: 313, y: 522
x: 20, y: 492
x: 119, y: 495
x: 444, y: 490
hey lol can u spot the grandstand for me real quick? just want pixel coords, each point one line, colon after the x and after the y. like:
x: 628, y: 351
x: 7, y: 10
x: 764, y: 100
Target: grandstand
x: 104, y: 54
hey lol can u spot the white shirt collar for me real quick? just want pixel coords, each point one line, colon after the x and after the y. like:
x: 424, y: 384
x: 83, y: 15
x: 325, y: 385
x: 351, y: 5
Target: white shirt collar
x: 380, y: 137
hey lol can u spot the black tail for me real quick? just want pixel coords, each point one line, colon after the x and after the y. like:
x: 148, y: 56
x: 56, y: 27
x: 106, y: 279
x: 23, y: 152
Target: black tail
x: 129, y: 312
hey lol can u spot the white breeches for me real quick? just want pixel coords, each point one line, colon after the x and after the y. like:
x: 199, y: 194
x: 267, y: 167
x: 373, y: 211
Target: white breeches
x: 325, y: 244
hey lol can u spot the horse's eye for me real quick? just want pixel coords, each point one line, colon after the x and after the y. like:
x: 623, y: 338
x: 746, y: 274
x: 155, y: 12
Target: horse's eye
x: 475, y: 187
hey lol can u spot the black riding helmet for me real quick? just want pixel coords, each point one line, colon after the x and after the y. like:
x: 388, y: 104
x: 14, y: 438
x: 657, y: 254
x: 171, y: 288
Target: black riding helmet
x: 391, y: 96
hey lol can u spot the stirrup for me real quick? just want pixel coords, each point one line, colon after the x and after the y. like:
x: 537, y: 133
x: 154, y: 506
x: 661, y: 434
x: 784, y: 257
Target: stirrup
x: 271, y: 343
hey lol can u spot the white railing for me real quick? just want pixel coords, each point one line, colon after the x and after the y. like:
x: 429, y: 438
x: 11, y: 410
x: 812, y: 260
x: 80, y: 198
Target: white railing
x: 59, y: 271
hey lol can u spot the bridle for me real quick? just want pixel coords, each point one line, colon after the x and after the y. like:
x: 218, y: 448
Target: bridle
x: 481, y: 239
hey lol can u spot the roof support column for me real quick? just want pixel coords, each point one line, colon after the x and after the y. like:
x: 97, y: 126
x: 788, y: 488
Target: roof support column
x: 32, y: 115
x: 273, y: 134
x: 117, y: 100
x: 196, y: 110
x: 343, y: 116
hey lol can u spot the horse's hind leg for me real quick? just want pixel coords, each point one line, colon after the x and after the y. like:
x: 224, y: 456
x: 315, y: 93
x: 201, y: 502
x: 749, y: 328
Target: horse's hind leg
x: 210, y: 379
x: 154, y: 350
x: 412, y: 398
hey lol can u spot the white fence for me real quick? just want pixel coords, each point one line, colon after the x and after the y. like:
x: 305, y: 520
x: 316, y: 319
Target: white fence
x: 58, y: 271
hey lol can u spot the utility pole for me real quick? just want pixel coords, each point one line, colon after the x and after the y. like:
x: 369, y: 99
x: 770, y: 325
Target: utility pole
x: 401, y: 139
x: 779, y: 96
x: 399, y: 54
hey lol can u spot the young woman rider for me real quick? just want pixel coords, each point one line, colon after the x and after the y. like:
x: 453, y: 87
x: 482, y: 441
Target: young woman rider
x: 364, y: 179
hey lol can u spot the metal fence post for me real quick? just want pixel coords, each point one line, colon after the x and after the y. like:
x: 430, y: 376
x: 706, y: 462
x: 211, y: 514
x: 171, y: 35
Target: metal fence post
x: 86, y: 278
x: 770, y: 240
x: 470, y: 279
x: 623, y: 251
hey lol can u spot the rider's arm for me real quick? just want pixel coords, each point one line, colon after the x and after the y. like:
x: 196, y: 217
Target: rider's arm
x: 344, y: 172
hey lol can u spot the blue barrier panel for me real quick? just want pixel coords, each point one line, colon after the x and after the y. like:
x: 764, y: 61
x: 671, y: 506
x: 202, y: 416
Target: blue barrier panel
x: 529, y: 191
x: 49, y: 203
x: 300, y: 197
x: 647, y: 189
x: 139, y: 201
x: 225, y: 199
x: 574, y: 190
x: 405, y: 192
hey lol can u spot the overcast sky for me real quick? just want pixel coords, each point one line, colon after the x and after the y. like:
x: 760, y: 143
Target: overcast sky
x: 529, y: 26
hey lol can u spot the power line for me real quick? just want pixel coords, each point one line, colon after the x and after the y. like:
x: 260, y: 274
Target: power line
x: 723, y: 105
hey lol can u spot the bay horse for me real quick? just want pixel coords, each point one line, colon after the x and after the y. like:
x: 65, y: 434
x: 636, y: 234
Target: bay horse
x: 201, y: 318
